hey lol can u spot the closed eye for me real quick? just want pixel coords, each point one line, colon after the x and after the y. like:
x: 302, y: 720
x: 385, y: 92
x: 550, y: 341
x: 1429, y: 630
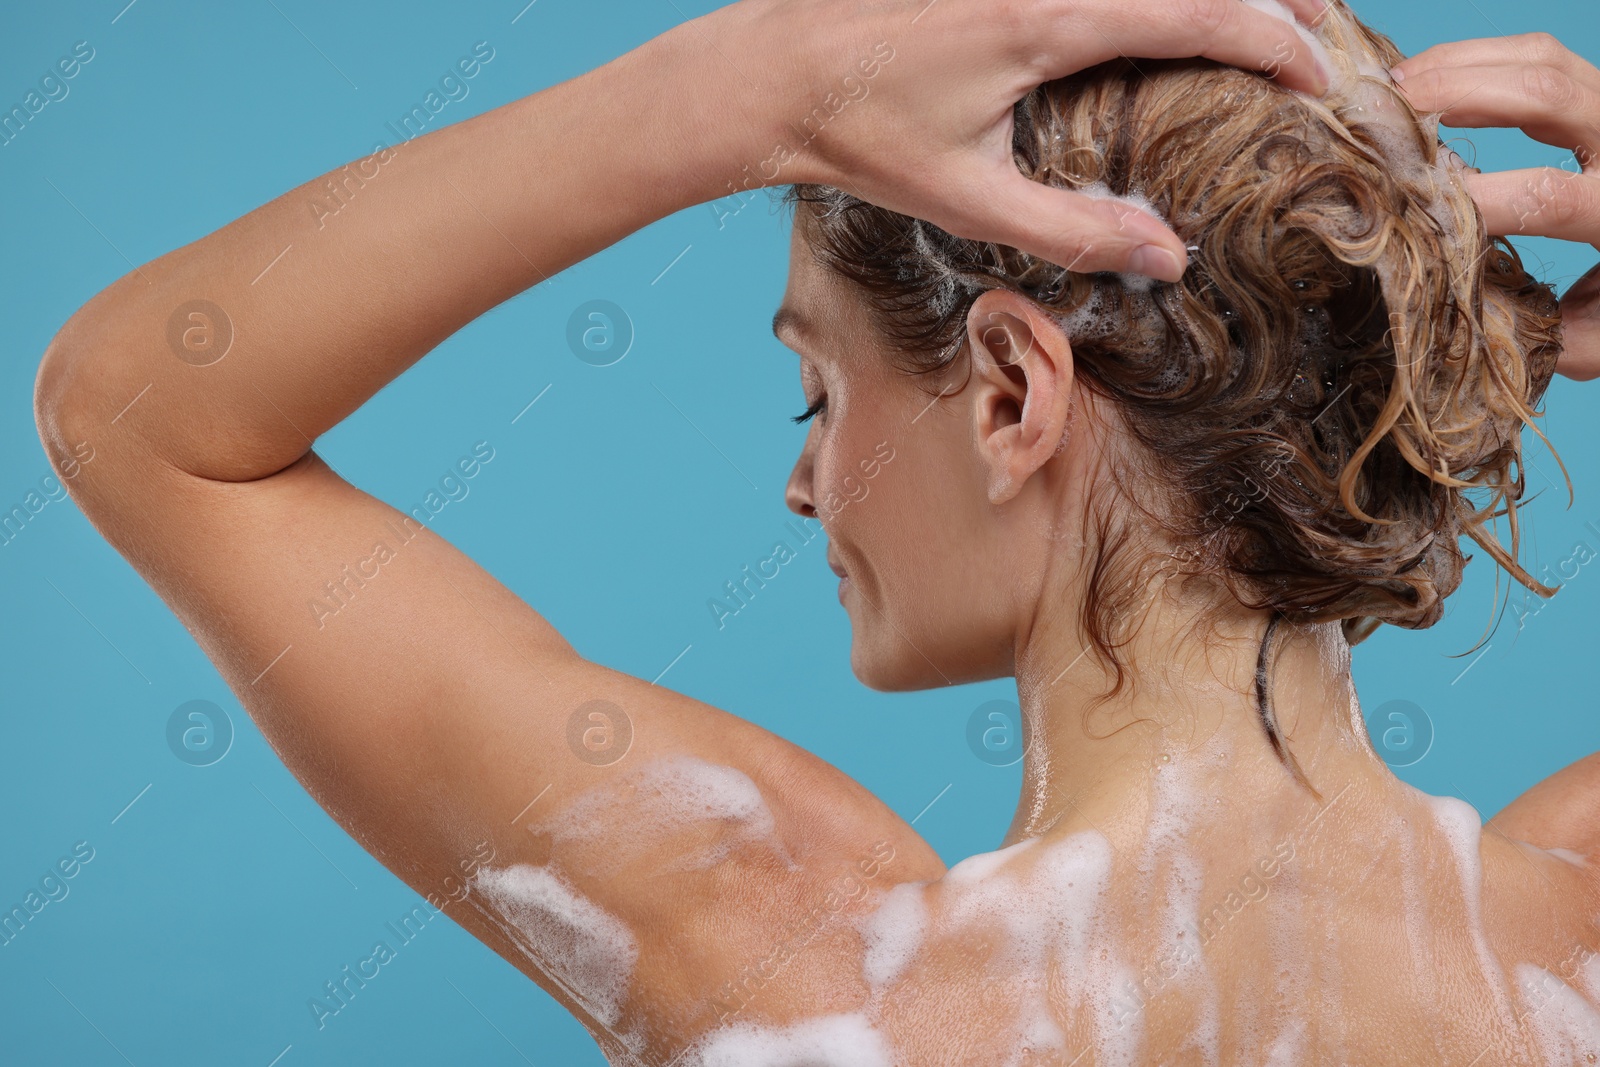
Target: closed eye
x: 805, y: 416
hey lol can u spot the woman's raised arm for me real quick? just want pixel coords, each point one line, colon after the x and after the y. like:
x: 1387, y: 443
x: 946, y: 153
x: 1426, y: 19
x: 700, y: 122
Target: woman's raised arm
x: 431, y: 713
x: 463, y: 218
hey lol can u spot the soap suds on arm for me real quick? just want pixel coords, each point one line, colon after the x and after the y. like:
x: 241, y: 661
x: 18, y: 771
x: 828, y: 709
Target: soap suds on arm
x: 699, y: 810
x: 588, y: 950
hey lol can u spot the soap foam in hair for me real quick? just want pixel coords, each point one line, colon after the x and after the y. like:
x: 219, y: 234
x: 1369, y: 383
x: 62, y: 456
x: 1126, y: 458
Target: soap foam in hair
x: 1315, y: 46
x: 1138, y: 283
x: 1375, y: 109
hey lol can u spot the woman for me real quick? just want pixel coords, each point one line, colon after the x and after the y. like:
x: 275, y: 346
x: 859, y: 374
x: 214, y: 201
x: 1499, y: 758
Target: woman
x: 1209, y: 863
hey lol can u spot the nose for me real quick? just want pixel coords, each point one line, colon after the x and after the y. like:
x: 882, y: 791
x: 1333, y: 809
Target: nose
x: 797, y: 494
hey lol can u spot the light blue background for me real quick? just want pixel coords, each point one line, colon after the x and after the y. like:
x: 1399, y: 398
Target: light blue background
x: 221, y: 900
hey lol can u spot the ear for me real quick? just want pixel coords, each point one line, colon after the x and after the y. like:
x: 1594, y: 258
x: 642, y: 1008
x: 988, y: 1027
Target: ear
x: 1021, y: 388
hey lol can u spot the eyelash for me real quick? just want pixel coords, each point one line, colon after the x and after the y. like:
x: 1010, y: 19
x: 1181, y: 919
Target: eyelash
x: 805, y: 416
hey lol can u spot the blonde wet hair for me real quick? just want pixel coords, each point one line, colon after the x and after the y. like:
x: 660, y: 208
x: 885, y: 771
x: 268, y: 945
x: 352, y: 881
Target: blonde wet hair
x: 1334, y: 392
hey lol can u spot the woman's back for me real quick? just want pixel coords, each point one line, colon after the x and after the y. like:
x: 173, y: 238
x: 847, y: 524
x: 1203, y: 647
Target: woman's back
x: 1209, y: 865
x: 1385, y: 926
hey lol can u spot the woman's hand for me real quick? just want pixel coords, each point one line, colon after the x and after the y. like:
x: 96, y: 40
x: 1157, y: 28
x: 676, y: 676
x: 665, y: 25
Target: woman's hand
x: 930, y: 132
x: 1534, y: 82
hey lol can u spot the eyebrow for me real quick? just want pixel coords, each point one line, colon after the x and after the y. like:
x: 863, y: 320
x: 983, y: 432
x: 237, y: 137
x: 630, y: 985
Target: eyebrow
x: 787, y: 319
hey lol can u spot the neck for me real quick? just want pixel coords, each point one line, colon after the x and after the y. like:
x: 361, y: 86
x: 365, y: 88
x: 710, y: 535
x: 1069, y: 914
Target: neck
x: 1186, y: 730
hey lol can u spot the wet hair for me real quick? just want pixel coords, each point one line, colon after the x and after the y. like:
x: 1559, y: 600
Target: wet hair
x: 1335, y: 391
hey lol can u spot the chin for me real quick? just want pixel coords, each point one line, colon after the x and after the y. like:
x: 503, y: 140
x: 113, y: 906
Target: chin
x: 897, y: 670
x: 892, y: 681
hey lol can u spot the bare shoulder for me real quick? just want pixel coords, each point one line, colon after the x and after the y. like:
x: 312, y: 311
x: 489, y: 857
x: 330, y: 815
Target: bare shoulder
x: 1560, y: 812
x: 631, y: 849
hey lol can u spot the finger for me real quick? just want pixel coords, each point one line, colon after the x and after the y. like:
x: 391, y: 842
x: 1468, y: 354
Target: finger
x: 1256, y: 39
x: 1537, y: 49
x: 1309, y: 12
x: 1228, y: 31
x: 1540, y: 202
x: 1080, y: 232
x: 1547, y: 104
x: 1580, y: 329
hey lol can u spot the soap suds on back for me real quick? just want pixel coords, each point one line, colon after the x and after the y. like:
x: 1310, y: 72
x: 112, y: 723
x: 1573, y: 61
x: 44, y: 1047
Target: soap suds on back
x: 1050, y: 912
x: 1072, y: 879
x: 1589, y: 975
x: 1567, y: 1026
x: 979, y: 868
x: 1288, y: 1048
x: 893, y: 933
x: 1463, y: 829
x: 1175, y: 803
x: 829, y: 1041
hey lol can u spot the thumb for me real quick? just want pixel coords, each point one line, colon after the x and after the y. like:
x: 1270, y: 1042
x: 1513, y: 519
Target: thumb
x: 1081, y: 232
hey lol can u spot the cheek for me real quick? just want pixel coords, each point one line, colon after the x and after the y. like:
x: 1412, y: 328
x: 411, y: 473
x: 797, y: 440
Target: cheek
x: 882, y: 480
x: 876, y: 500
x: 926, y: 516
x: 838, y: 482
x: 851, y: 474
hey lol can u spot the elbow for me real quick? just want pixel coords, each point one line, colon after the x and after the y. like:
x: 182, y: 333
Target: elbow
x: 69, y: 403
x: 58, y: 395
x: 110, y: 380
x: 106, y: 382
x: 88, y: 365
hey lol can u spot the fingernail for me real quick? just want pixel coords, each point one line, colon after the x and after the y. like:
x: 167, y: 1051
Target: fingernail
x: 1397, y: 74
x: 1153, y: 261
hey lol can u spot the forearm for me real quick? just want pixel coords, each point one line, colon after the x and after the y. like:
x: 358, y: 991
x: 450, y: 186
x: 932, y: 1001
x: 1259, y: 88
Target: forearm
x: 326, y: 308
